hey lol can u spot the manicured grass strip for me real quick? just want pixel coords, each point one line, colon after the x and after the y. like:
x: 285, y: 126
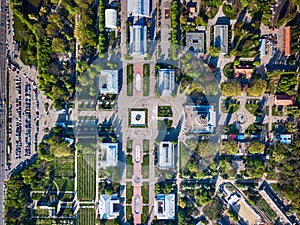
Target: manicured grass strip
x: 86, y: 177
x: 129, y: 171
x: 145, y: 145
x: 129, y: 193
x: 129, y: 146
x: 129, y: 215
x: 86, y: 216
x: 145, y: 193
x: 146, y: 79
x: 145, y: 167
x: 130, y: 79
x: 145, y: 215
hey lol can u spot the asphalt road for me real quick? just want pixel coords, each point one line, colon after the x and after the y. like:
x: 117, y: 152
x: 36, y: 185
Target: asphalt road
x: 3, y: 106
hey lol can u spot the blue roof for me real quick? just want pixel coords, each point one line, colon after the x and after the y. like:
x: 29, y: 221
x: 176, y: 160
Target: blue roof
x: 241, y: 137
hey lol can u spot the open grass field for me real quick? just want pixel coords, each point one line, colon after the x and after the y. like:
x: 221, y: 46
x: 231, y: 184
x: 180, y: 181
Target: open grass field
x: 86, y: 216
x: 86, y: 177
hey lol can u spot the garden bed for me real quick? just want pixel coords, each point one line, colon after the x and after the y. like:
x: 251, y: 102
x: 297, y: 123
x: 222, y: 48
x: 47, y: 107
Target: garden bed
x: 164, y: 111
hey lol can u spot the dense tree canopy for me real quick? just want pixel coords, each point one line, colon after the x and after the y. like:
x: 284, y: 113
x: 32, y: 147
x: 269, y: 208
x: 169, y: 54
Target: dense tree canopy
x: 285, y: 166
x: 232, y: 88
x: 257, y: 87
x: 229, y: 147
x: 256, y: 147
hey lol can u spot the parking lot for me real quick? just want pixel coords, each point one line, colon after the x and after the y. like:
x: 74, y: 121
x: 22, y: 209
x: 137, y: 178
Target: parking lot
x: 23, y: 120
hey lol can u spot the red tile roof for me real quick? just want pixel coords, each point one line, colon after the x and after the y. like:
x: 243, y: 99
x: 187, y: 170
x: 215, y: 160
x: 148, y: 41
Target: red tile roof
x: 284, y: 100
x: 287, y: 41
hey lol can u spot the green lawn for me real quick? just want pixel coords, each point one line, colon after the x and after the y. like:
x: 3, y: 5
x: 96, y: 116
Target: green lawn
x: 228, y: 70
x: 86, y: 177
x: 145, y: 160
x: 129, y: 171
x: 130, y: 79
x: 266, y: 208
x: 145, y: 193
x: 164, y: 111
x: 145, y: 214
x: 145, y: 167
x: 230, y: 106
x: 64, y: 167
x: 184, y: 156
x: 40, y: 212
x: 145, y: 145
x: 129, y: 215
x: 86, y: 216
x: 129, y: 193
x: 252, y: 108
x: 129, y: 146
x: 146, y: 79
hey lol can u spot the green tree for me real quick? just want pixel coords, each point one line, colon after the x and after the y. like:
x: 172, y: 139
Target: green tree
x: 214, y: 52
x: 215, y: 209
x: 256, y: 147
x: 229, y: 147
x: 199, y: 21
x: 58, y: 45
x: 257, y: 87
x: 236, y: 62
x: 232, y: 88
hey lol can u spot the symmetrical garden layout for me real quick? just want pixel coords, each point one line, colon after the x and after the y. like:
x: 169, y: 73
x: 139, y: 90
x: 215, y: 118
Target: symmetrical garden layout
x: 123, y: 153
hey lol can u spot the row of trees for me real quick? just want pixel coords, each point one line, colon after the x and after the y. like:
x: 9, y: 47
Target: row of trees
x: 233, y: 88
x: 102, y: 33
x: 175, y: 28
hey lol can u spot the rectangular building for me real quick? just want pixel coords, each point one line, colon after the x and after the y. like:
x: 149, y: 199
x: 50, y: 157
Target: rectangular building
x: 108, y: 82
x: 109, y: 152
x: 164, y: 207
x: 138, y: 8
x: 221, y: 38
x: 109, y: 206
x: 138, y: 40
x: 166, y: 155
x: 195, y: 42
x: 166, y: 81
